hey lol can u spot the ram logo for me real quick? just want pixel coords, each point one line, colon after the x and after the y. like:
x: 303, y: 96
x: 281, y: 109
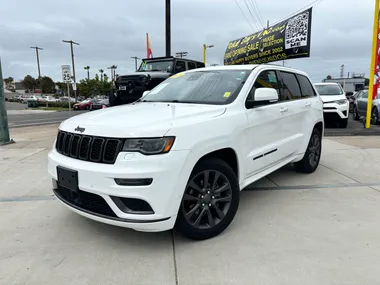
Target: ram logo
x: 79, y: 129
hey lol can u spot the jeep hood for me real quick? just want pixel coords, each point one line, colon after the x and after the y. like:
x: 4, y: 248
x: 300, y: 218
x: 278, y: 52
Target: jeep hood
x: 153, y: 74
x: 143, y: 119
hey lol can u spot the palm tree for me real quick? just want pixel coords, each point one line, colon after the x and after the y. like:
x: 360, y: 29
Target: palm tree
x: 88, y: 72
x: 101, y: 74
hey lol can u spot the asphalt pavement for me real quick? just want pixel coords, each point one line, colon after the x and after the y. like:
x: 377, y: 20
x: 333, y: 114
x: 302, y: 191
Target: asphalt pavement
x: 20, y: 116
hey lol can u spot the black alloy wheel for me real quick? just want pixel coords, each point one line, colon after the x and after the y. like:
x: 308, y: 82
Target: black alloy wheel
x: 210, y: 200
x: 310, y: 161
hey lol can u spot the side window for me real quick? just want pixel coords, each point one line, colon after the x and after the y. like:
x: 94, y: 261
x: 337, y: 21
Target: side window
x: 199, y: 65
x: 268, y: 79
x: 180, y: 66
x: 306, y: 87
x: 291, y: 89
x: 191, y: 65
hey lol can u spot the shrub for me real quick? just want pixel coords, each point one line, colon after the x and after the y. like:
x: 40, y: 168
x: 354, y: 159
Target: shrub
x: 54, y: 104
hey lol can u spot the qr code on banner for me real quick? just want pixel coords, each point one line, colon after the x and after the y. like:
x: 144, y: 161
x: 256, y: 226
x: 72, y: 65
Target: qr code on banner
x: 296, y: 32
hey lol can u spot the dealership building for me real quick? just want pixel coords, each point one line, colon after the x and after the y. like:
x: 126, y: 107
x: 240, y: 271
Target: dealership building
x: 350, y: 84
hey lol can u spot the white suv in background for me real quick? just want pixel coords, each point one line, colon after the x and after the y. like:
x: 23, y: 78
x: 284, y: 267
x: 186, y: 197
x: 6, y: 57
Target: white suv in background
x: 335, y: 104
x: 180, y: 155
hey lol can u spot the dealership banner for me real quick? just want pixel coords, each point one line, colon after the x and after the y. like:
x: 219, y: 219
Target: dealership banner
x: 376, y: 74
x: 285, y: 40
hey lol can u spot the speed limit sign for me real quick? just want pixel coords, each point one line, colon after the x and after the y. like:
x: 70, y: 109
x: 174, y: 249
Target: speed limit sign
x: 66, y: 74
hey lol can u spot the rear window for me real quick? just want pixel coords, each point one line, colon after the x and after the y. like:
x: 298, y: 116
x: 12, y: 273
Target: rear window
x: 329, y: 89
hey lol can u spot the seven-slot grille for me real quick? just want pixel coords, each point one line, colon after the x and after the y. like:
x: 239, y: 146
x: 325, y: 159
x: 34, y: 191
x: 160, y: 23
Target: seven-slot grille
x: 88, y: 148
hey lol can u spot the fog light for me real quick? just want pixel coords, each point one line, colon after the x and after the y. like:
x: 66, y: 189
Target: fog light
x: 134, y: 181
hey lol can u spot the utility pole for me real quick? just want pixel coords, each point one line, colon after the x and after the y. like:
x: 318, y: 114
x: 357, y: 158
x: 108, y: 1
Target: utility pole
x: 167, y: 28
x: 4, y: 129
x: 181, y: 54
x: 205, y: 47
x: 38, y: 65
x: 268, y: 24
x: 135, y: 58
x: 72, y: 59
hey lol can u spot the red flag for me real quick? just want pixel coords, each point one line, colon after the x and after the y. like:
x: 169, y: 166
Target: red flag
x: 149, y: 53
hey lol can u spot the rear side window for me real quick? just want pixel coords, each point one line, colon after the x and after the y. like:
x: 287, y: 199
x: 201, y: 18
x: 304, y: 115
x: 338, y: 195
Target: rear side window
x: 290, y: 86
x: 191, y: 65
x: 199, y: 65
x: 306, y: 87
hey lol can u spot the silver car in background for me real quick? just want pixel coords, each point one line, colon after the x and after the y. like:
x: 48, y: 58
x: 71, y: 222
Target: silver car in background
x: 360, y: 107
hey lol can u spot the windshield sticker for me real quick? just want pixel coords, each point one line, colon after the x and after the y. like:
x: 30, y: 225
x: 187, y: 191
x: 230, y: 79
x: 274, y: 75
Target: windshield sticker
x: 158, y: 88
x: 177, y: 75
x: 227, y: 94
x: 241, y: 76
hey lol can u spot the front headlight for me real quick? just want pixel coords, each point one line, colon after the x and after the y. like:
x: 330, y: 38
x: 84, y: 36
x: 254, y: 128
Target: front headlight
x: 341, y: 102
x: 149, y: 145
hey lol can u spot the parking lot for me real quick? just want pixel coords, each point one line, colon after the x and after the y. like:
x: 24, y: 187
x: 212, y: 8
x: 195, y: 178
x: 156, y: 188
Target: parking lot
x: 291, y: 228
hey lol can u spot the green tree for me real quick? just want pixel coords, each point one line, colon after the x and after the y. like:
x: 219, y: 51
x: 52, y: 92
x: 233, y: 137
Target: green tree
x: 48, y: 85
x: 29, y: 83
x: 366, y: 81
x: 329, y: 77
x: 101, y: 74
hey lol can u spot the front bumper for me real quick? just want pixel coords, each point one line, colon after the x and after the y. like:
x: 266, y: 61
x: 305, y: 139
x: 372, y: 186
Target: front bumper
x: 100, y: 195
x: 336, y: 111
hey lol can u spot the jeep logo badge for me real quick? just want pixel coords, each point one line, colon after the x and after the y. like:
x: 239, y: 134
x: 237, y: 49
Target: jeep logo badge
x: 79, y: 129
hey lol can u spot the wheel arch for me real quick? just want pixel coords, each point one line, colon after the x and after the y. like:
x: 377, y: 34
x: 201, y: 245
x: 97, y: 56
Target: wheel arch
x: 227, y: 154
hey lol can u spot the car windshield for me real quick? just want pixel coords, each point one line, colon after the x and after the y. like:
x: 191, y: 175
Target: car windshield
x: 329, y: 89
x: 164, y: 65
x: 201, y: 87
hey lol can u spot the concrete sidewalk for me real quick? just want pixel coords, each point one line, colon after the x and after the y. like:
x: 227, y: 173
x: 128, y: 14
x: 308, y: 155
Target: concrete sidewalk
x: 290, y: 229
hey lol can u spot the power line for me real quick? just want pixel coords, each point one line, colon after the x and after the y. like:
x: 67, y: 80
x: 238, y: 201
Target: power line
x: 250, y: 12
x: 256, y: 8
x: 311, y: 4
x: 244, y: 15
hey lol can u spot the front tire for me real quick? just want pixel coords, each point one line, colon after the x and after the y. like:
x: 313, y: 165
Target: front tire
x: 375, y: 117
x: 210, y: 200
x: 310, y: 161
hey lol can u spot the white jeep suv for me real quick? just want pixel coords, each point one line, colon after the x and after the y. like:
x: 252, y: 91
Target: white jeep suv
x: 180, y: 155
x: 336, y: 107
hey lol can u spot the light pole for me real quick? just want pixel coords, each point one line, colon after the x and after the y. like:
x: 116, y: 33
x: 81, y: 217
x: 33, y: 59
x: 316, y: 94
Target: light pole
x: 38, y: 65
x: 88, y: 72
x: 72, y: 60
x: 205, y: 47
x: 167, y: 28
x: 4, y: 128
x: 135, y: 58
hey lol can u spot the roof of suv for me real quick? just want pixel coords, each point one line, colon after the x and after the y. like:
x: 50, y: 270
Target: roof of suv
x: 250, y: 67
x: 326, y: 83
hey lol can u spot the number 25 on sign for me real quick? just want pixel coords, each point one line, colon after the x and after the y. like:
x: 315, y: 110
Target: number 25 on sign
x: 66, y: 74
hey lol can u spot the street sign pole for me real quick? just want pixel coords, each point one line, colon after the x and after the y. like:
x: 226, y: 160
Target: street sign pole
x: 66, y: 77
x: 4, y: 129
x: 68, y: 94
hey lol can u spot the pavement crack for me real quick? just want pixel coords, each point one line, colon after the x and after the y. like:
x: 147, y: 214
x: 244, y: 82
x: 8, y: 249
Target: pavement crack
x: 174, y: 259
x: 341, y: 173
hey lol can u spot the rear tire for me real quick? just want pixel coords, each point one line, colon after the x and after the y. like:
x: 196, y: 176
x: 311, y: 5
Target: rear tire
x: 210, y: 200
x: 310, y: 160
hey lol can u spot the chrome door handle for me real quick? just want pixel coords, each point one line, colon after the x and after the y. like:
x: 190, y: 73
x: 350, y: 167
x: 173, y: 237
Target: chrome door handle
x: 283, y: 110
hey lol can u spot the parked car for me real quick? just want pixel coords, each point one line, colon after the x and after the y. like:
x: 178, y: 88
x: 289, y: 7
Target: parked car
x: 99, y: 104
x: 152, y: 71
x: 335, y: 104
x: 351, y: 99
x: 84, y: 105
x: 180, y: 155
x: 360, y: 107
x: 34, y: 98
x: 67, y: 99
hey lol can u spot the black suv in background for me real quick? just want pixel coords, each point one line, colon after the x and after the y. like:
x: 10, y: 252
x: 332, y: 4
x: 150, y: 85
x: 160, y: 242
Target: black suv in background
x: 152, y: 71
